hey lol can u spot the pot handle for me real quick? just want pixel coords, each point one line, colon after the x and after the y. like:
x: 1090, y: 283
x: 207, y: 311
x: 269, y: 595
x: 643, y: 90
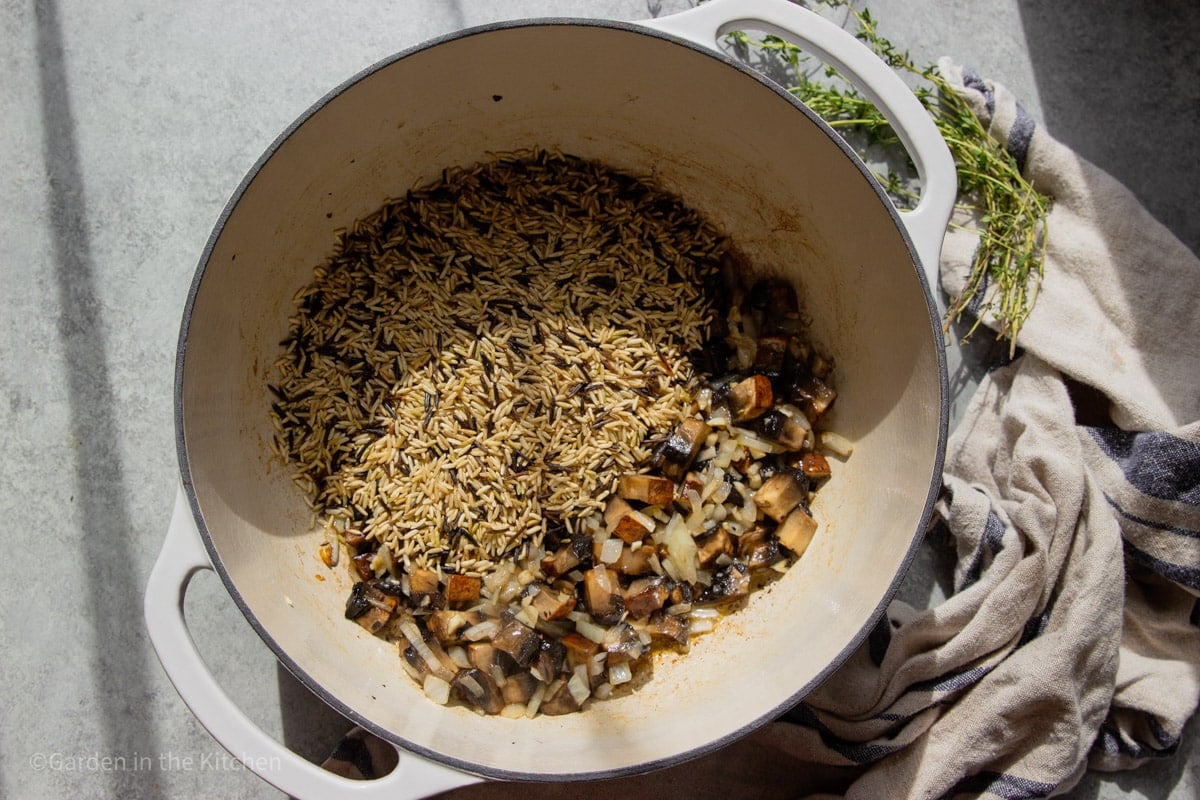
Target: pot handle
x: 182, y: 556
x: 879, y: 83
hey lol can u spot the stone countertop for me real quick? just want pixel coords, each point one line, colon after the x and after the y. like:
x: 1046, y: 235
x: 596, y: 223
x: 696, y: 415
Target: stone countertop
x: 127, y: 125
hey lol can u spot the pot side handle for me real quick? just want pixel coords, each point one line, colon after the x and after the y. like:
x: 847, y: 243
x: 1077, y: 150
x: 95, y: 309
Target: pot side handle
x: 879, y: 83
x: 181, y: 557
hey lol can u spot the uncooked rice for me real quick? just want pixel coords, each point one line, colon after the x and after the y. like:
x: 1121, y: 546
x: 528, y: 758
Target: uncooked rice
x: 479, y: 361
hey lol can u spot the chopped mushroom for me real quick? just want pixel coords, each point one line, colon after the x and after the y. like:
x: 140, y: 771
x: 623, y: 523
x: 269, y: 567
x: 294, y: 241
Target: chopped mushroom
x: 519, y: 687
x: 675, y: 455
x: 812, y: 394
x: 633, y: 562
x: 653, y: 490
x: 815, y: 465
x: 550, y: 659
x: 568, y: 556
x: 788, y: 431
x: 796, y: 531
x: 476, y: 688
x: 549, y: 603
x: 602, y: 594
x: 646, y: 595
x: 489, y: 658
x: 731, y: 582
x: 462, y: 590
x: 424, y: 589
x: 580, y: 649
x: 712, y: 546
x: 758, y: 548
x: 370, y: 607
x: 779, y: 494
x: 625, y: 522
x: 559, y: 700
x: 668, y: 627
x: 519, y: 641
x: 750, y: 398
x: 448, y: 626
x: 362, y: 565
x: 770, y: 354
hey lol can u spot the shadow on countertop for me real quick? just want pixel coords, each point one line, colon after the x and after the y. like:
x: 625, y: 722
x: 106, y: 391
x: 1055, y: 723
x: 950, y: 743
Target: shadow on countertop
x: 1119, y: 83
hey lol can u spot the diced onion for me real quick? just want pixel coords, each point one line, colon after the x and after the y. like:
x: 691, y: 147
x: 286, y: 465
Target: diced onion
x: 620, y: 673
x: 611, y: 549
x: 836, y: 443
x: 535, y: 700
x: 590, y: 630
x: 681, y: 548
x: 436, y: 689
x: 483, y: 630
x: 578, y: 685
x: 459, y: 656
x: 513, y: 711
x: 528, y: 615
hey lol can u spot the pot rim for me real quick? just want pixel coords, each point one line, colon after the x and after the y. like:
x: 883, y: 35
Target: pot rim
x: 354, y: 717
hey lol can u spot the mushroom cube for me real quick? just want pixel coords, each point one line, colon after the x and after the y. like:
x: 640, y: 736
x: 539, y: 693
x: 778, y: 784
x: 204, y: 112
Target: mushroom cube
x: 462, y: 590
x: 646, y: 595
x: 476, y: 688
x: 815, y: 465
x: 653, y: 490
x: 796, y: 531
x: 549, y: 603
x: 668, y: 627
x: 519, y: 641
x: 424, y: 589
x: 757, y: 548
x: 567, y: 557
x: 370, y: 607
x: 751, y: 397
x: 731, y: 582
x: 675, y: 455
x: 602, y: 594
x: 448, y: 626
x: 559, y: 700
x: 625, y: 522
x: 712, y: 546
x: 519, y: 687
x: 779, y: 494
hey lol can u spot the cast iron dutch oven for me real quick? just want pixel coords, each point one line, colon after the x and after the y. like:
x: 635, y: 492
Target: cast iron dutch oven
x: 653, y: 99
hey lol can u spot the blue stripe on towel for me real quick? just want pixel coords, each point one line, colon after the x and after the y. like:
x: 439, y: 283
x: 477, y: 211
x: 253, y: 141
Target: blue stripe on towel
x: 1150, y: 523
x: 1155, y: 463
x: 1114, y: 743
x: 1178, y: 573
x: 1001, y: 784
x: 991, y: 542
x: 972, y: 80
x: 1020, y: 135
x: 858, y: 752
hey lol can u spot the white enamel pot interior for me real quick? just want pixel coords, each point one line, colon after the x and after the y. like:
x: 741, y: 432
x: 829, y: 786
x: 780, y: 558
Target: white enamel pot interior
x: 783, y: 187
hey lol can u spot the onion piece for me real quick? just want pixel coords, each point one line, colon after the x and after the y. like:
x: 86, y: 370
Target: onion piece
x: 578, y: 685
x: 610, y: 550
x: 836, y: 443
x: 436, y: 689
x: 620, y: 673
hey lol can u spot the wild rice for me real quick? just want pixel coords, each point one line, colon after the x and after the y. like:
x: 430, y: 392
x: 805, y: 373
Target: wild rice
x: 479, y: 361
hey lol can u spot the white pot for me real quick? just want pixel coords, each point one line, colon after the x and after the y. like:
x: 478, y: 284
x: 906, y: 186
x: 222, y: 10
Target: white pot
x: 652, y: 99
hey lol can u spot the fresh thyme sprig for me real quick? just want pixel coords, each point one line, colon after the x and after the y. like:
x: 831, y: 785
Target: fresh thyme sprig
x: 1011, y: 214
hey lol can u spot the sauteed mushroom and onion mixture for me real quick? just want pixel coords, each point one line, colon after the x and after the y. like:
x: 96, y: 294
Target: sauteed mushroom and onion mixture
x: 548, y: 430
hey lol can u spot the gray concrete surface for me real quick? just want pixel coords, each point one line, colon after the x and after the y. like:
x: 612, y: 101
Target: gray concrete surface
x: 125, y: 126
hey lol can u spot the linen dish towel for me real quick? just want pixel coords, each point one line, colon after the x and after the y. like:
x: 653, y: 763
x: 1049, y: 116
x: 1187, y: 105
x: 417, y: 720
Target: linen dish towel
x: 1071, y: 505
